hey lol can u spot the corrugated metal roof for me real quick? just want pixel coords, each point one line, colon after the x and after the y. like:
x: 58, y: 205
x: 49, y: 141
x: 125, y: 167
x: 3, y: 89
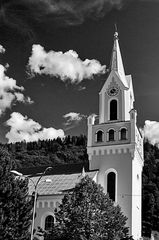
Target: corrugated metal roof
x: 58, y: 184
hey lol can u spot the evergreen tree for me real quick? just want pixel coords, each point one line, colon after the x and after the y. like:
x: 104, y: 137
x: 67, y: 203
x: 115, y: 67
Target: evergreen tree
x: 89, y: 214
x: 150, y: 190
x: 15, y: 206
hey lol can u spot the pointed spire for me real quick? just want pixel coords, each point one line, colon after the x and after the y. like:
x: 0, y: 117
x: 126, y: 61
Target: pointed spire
x: 116, y: 60
x: 83, y: 172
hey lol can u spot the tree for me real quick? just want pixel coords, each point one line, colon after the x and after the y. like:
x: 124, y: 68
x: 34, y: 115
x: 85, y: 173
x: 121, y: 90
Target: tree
x: 15, y: 206
x: 150, y: 190
x: 89, y: 214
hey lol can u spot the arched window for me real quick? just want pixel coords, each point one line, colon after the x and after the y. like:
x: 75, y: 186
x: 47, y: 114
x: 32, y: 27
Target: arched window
x: 123, y: 133
x: 49, y: 222
x: 99, y: 136
x: 113, y: 110
x: 111, y: 135
x: 111, y: 185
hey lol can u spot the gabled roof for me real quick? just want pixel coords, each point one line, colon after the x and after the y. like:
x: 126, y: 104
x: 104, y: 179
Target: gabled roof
x: 109, y: 80
x: 60, y: 179
x: 58, y: 184
x: 117, y: 62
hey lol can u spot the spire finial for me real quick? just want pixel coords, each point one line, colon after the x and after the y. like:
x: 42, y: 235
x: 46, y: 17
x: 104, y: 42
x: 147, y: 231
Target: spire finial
x: 116, y: 32
x: 116, y: 63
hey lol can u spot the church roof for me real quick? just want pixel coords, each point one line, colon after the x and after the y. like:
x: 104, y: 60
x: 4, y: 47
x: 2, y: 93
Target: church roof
x: 117, y: 62
x: 60, y: 179
x: 57, y: 184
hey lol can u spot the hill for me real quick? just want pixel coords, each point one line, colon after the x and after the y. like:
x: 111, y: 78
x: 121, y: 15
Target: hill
x: 49, y: 152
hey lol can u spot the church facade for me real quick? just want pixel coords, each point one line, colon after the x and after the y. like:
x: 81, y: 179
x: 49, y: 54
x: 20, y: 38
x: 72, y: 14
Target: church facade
x: 115, y: 145
x: 115, y: 150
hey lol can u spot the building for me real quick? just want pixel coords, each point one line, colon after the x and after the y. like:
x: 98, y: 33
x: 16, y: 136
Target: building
x: 115, y: 145
x: 51, y: 189
x: 115, y: 149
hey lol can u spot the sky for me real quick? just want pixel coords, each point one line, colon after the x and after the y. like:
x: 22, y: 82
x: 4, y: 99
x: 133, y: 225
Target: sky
x: 54, y: 55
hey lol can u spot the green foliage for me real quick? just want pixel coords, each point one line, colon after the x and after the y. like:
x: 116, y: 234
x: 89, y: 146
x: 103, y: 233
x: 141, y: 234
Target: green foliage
x: 150, y: 188
x: 15, y: 207
x: 88, y: 214
x: 49, y: 152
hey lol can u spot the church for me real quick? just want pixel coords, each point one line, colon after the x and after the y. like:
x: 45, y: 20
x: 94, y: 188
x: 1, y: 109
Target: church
x: 115, y: 150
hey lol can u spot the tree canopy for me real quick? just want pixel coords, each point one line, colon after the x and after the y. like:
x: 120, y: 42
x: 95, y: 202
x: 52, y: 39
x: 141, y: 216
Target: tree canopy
x: 15, y: 207
x: 89, y: 214
x: 49, y: 152
x: 150, y: 189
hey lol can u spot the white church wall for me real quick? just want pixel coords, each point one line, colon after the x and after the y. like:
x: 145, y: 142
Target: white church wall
x: 136, y: 194
x: 104, y: 99
x: 105, y: 128
x: 122, y: 164
x: 127, y: 105
x: 46, y: 206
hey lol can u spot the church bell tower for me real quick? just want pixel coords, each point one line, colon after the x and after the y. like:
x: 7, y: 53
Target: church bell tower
x: 115, y: 145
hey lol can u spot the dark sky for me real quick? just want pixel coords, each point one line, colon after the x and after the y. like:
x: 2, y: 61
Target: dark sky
x: 90, y: 34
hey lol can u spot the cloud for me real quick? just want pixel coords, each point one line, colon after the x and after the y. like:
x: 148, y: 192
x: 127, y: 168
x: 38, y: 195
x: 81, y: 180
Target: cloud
x: 73, y: 119
x: 151, y: 131
x: 68, y: 12
x: 66, y: 65
x: 20, y: 98
x: 81, y: 88
x: 2, y: 49
x: 24, y: 15
x: 18, y: 15
x: 23, y: 128
x: 10, y: 92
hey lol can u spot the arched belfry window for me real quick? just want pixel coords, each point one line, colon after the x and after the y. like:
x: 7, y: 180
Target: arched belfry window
x: 99, y: 136
x: 111, y: 185
x: 49, y: 222
x: 123, y: 133
x: 113, y: 109
x: 111, y: 135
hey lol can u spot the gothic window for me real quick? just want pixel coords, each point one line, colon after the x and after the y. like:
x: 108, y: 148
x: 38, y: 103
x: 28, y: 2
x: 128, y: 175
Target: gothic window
x: 111, y: 135
x: 99, y: 136
x: 123, y: 134
x: 49, y: 221
x: 113, y: 110
x: 111, y: 185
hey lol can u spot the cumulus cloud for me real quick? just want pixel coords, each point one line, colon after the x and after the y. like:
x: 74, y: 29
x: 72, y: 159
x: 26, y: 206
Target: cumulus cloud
x: 23, y: 128
x: 151, y: 131
x: 10, y: 92
x: 66, y: 65
x: 72, y: 119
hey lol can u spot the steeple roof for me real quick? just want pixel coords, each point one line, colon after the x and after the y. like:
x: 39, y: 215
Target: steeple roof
x: 116, y: 61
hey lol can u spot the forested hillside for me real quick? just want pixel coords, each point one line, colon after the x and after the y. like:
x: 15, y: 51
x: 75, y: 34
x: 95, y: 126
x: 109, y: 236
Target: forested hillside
x: 73, y: 150
x: 49, y: 152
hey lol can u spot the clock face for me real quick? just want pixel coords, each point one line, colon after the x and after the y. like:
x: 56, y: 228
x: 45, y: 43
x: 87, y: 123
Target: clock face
x: 113, y: 91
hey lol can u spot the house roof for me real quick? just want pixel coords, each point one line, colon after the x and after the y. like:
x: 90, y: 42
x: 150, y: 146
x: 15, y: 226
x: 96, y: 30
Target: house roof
x: 57, y: 184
